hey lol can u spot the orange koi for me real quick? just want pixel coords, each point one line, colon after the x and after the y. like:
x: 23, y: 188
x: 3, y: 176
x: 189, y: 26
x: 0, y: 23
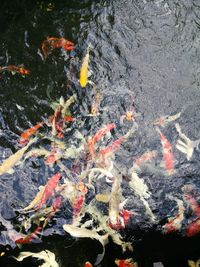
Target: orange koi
x: 14, y: 69
x: 49, y: 189
x: 24, y: 137
x: 125, y: 263
x: 147, y: 156
x: 168, y: 156
x: 88, y: 264
x: 30, y: 237
x: 193, y: 228
x: 53, y: 42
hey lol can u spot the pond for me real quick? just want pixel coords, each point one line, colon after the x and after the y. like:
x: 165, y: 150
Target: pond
x: 141, y: 110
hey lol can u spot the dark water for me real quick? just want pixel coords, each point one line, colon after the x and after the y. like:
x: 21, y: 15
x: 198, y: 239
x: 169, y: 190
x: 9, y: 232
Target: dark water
x: 145, y: 55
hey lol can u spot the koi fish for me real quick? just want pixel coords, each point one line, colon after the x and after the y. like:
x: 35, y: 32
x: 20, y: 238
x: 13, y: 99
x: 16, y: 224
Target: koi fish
x: 10, y: 162
x: 95, y: 104
x: 36, y: 200
x: 78, y: 205
x: 114, y: 206
x: 111, y: 148
x: 193, y: 228
x: 129, y: 116
x: 168, y: 156
x: 93, y: 140
x: 49, y: 189
x: 86, y: 233
x: 88, y: 264
x: 147, y: 156
x: 29, y: 238
x: 84, y: 69
x: 188, y: 146
x: 54, y: 155
x: 193, y: 204
x: 14, y: 69
x: 175, y: 223
x: 52, y: 43
x: 28, y: 133
x: 57, y: 123
x: 193, y: 263
x: 140, y: 188
x: 125, y: 263
x: 166, y: 119
x: 47, y: 256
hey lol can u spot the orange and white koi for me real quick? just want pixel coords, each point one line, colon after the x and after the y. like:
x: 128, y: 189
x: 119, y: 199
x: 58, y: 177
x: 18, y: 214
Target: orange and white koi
x: 10, y: 162
x: 49, y: 189
x: 166, y: 119
x: 14, y: 69
x: 84, y: 72
x: 168, y: 156
x: 25, y: 136
x: 175, y: 223
x: 52, y: 42
x: 147, y: 156
x: 125, y: 263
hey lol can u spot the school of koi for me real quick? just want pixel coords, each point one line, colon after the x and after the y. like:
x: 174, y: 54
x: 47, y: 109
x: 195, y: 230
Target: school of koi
x: 91, y: 163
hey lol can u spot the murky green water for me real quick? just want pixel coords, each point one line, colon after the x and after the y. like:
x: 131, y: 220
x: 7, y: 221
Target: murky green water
x: 145, y: 55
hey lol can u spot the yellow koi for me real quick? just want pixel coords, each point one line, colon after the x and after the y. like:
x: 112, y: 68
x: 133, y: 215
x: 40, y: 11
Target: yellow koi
x: 84, y: 69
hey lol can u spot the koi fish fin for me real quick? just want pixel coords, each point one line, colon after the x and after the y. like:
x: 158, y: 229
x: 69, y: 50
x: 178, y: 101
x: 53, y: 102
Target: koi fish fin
x: 46, y: 264
x: 103, y: 241
x: 10, y: 171
x: 100, y: 257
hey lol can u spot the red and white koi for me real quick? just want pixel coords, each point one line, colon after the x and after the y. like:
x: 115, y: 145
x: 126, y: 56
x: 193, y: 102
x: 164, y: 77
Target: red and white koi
x: 168, y: 156
x: 175, y: 223
x: 147, y: 156
x: 163, y: 121
x: 49, y: 189
x: 93, y: 140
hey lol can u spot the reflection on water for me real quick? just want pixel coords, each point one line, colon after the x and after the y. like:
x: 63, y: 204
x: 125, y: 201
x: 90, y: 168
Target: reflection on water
x: 145, y: 57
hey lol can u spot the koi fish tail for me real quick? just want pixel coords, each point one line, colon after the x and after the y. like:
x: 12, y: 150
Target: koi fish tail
x: 103, y: 241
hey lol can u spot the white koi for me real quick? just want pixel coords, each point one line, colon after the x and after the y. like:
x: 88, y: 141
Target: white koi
x: 86, y: 233
x: 10, y: 162
x: 47, y: 256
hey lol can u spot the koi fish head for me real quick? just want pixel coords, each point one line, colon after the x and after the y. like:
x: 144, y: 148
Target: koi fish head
x: 69, y: 46
x: 88, y: 264
x: 24, y: 71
